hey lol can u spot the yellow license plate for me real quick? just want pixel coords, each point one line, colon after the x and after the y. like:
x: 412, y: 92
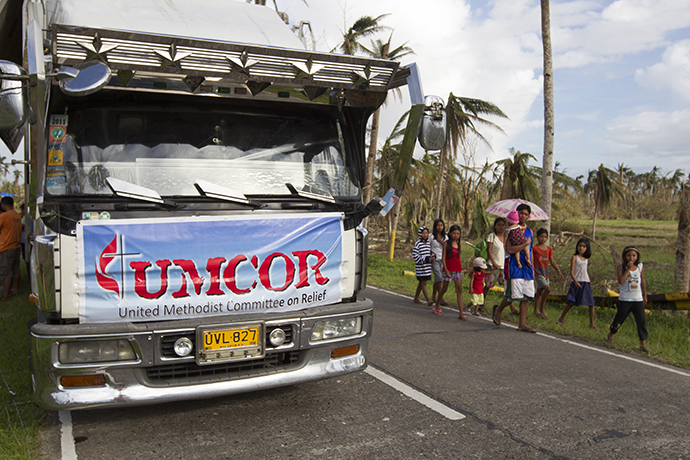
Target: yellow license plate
x: 231, y: 338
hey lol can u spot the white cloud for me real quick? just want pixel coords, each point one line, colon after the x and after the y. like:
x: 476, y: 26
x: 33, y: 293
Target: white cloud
x: 652, y: 138
x: 572, y: 133
x: 672, y: 72
x: 584, y: 32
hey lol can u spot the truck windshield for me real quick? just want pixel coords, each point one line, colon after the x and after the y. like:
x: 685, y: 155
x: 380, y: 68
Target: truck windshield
x: 168, y: 148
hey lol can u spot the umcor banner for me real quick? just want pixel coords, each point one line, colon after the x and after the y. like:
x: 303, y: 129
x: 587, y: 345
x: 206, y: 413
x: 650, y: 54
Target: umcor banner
x: 193, y: 267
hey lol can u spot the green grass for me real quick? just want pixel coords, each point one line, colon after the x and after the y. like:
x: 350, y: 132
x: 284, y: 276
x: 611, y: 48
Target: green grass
x: 669, y: 331
x: 21, y: 419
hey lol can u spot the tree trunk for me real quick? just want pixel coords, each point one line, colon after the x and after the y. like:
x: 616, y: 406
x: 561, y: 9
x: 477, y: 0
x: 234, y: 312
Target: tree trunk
x: 683, y: 244
x: 439, y: 187
x: 594, y: 222
x: 547, y: 167
x: 368, y: 189
x: 396, y: 215
x: 371, y: 157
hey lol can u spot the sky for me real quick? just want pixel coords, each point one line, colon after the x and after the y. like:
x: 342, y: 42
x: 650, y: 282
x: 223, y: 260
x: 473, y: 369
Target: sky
x: 621, y: 71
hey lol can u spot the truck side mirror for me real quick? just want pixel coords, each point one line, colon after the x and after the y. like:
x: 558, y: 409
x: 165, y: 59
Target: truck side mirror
x: 14, y: 106
x: 83, y: 79
x: 432, y: 133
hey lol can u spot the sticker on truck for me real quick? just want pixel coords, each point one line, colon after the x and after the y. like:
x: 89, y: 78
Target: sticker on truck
x: 195, y: 267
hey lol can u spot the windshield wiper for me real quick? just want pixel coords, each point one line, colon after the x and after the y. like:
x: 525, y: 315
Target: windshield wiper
x: 137, y: 192
x: 212, y: 190
x: 311, y: 193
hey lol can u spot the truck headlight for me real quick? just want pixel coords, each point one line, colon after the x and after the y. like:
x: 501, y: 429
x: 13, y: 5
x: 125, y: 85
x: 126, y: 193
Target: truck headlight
x: 96, y: 351
x: 335, y: 328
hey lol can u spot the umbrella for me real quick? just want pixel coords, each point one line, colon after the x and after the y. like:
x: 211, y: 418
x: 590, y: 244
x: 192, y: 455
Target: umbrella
x: 502, y: 208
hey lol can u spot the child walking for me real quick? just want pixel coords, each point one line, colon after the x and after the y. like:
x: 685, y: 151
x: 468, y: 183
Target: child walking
x: 438, y: 239
x: 633, y: 296
x: 516, y: 236
x: 421, y: 253
x: 452, y: 270
x: 580, y: 292
x: 477, y: 285
x: 543, y: 255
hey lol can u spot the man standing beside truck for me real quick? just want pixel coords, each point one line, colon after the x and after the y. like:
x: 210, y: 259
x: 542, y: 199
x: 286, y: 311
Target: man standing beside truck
x: 10, y: 248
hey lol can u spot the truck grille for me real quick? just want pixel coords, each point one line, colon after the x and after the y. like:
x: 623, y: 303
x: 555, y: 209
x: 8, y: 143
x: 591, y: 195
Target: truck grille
x: 190, y: 372
x: 168, y: 341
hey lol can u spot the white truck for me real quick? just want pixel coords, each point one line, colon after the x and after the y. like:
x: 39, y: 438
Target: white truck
x: 195, y: 182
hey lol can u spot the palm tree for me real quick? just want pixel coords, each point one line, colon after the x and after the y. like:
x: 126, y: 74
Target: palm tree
x: 547, y: 165
x: 362, y: 27
x: 518, y: 180
x: 4, y: 166
x: 463, y: 114
x: 379, y: 50
x: 603, y: 183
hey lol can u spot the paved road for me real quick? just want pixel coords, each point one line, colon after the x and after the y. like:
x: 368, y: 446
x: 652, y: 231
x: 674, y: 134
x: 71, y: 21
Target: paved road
x: 522, y: 395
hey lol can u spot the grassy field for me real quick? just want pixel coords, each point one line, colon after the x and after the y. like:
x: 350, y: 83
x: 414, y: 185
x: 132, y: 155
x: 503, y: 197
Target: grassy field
x: 669, y: 331
x: 22, y: 419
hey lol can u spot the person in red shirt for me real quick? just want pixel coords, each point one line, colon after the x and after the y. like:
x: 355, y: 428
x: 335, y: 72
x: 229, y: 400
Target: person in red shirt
x: 543, y: 254
x: 477, y: 285
x: 10, y: 249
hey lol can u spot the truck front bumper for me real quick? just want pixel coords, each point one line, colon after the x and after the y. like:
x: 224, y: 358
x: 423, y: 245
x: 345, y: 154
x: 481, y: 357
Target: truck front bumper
x: 157, y: 377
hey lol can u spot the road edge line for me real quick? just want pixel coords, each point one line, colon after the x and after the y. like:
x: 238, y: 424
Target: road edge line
x: 416, y: 395
x: 69, y: 451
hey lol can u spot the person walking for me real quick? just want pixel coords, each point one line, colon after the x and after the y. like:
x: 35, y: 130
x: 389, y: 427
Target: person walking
x: 580, y: 292
x: 10, y: 249
x: 421, y: 253
x: 543, y: 255
x: 519, y: 285
x: 452, y: 269
x: 495, y: 249
x: 438, y: 239
x: 633, y: 296
x: 477, y: 286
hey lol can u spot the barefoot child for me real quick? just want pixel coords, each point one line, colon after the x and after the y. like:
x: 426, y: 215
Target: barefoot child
x: 633, y: 295
x: 516, y: 235
x: 421, y: 253
x: 452, y: 270
x: 543, y: 254
x: 580, y: 292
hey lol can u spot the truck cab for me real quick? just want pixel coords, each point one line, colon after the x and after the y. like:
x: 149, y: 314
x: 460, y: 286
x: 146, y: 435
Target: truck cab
x: 195, y: 181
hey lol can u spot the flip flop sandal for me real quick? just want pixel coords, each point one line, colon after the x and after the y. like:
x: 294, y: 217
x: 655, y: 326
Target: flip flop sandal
x: 493, y: 316
x: 607, y: 340
x: 463, y: 318
x: 528, y: 329
x: 437, y: 311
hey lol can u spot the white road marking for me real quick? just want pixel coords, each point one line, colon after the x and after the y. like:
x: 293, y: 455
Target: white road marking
x: 414, y: 394
x: 69, y: 451
x: 569, y: 342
